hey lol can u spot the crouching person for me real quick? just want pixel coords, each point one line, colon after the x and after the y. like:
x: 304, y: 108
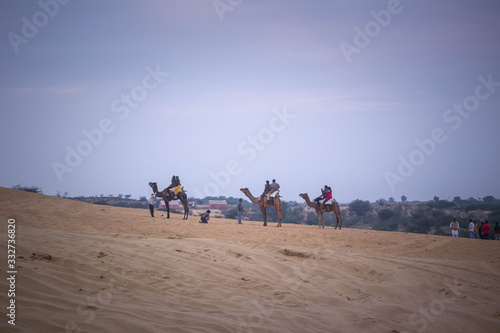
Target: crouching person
x: 205, y: 217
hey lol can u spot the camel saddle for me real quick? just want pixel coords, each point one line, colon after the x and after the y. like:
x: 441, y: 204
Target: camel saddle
x: 172, y: 193
x: 330, y: 202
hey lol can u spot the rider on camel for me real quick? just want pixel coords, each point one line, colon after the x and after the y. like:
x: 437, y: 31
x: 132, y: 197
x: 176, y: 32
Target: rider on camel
x: 174, y: 187
x: 328, y: 196
x: 273, y: 189
x: 323, y: 194
x: 267, y: 188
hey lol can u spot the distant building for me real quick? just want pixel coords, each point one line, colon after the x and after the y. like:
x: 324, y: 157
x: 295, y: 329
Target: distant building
x: 217, y: 204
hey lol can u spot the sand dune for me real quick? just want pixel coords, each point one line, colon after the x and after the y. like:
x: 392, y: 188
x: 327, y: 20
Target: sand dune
x: 90, y: 268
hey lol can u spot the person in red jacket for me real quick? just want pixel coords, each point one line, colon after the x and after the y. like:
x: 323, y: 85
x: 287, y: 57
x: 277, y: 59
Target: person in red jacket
x: 486, y: 230
x: 328, y: 196
x: 322, y: 196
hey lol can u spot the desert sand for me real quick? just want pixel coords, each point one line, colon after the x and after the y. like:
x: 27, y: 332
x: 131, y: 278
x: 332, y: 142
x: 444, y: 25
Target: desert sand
x: 90, y: 268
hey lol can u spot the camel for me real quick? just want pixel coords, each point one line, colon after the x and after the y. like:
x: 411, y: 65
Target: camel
x: 166, y: 196
x: 273, y: 202
x: 327, y: 209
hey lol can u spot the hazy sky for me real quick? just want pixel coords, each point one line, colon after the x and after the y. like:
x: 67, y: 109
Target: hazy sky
x: 377, y: 99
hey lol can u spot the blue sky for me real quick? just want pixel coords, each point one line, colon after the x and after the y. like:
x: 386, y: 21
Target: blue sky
x: 377, y: 99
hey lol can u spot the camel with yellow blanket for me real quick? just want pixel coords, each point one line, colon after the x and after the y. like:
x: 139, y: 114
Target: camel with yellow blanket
x: 173, y: 193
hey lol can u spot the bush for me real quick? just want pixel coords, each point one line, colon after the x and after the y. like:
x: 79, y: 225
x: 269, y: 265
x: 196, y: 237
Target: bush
x: 312, y: 219
x: 438, y: 214
x: 391, y: 225
x: 442, y: 204
x: 489, y: 199
x: 293, y: 214
x: 483, y: 207
x: 418, y: 214
x: 34, y: 189
x: 360, y: 207
x: 231, y: 213
x: 419, y: 226
x: 385, y: 214
x: 494, y: 217
x: 253, y: 213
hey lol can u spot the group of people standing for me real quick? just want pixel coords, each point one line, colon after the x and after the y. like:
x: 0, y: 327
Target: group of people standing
x: 475, y: 230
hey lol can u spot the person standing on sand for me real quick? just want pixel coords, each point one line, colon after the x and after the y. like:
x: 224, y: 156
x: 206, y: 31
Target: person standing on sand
x: 486, y: 230
x: 476, y: 230
x: 152, y: 201
x: 240, y: 210
x: 481, y: 230
x: 497, y: 231
x: 471, y: 229
x: 454, y: 225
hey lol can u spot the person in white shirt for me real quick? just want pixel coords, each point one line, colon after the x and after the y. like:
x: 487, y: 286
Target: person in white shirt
x: 471, y: 228
x: 152, y: 201
x: 454, y: 227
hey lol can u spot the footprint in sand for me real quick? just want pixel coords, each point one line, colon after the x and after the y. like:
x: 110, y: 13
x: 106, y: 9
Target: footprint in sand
x: 40, y: 257
x: 372, y: 276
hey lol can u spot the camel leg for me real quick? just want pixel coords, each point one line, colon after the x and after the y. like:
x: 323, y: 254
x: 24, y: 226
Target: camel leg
x: 279, y: 217
x: 319, y: 218
x: 167, y: 207
x: 277, y: 206
x: 186, y: 208
x: 339, y: 219
x: 264, y: 214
